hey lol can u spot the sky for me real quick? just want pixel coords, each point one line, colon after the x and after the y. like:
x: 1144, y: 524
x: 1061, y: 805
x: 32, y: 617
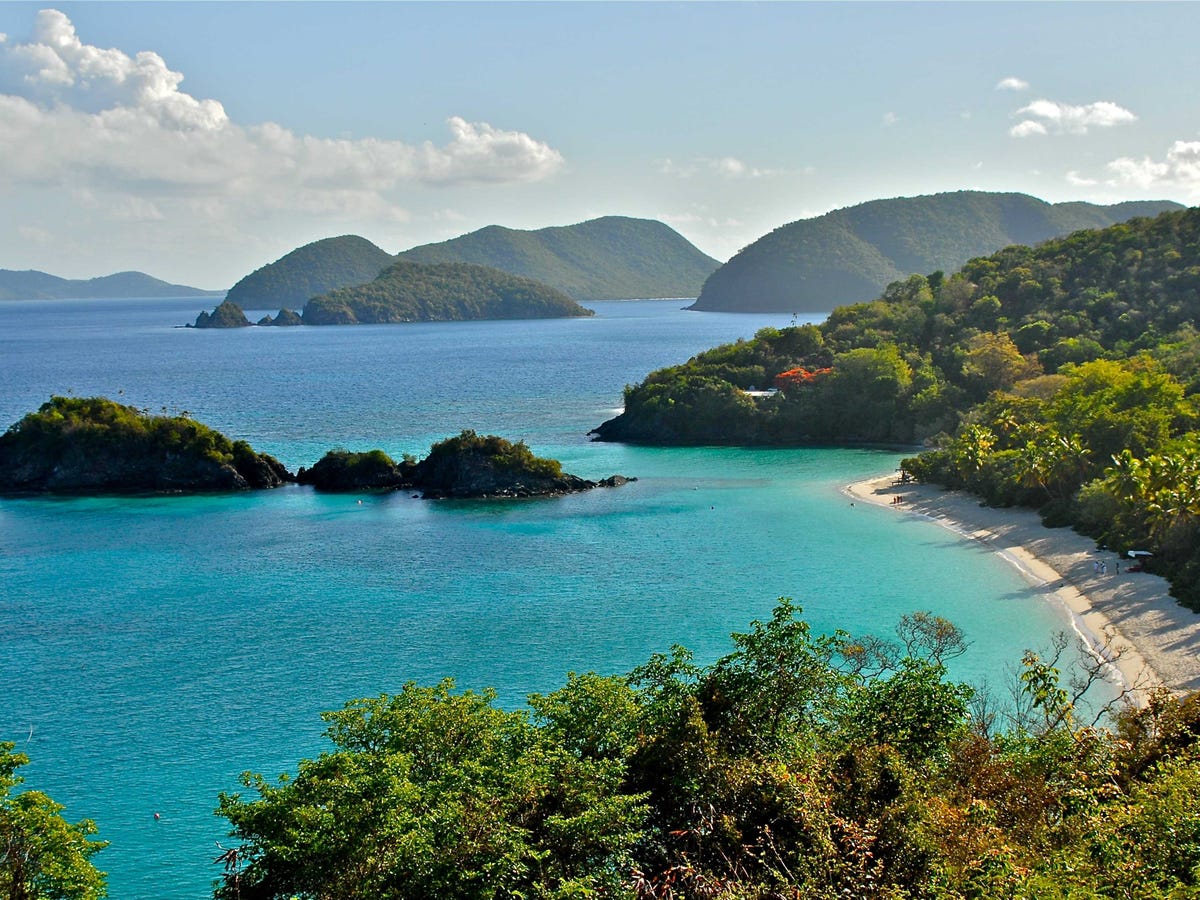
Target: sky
x: 197, y: 141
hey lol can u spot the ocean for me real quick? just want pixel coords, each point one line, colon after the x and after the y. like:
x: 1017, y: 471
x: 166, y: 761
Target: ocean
x: 151, y: 649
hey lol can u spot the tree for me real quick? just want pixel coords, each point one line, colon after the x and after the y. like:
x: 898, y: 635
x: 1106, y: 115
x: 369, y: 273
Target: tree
x: 42, y: 856
x: 431, y: 793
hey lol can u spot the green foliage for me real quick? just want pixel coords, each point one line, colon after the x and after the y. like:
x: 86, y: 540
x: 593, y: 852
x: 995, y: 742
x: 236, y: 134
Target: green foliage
x: 307, y: 271
x: 611, y: 258
x: 412, y: 292
x: 42, y: 856
x: 797, y: 765
x: 496, y: 451
x: 845, y: 256
x: 433, y: 793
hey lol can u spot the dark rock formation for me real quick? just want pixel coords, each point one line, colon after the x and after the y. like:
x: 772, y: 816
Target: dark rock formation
x: 226, y: 315
x: 286, y: 317
x: 463, y: 467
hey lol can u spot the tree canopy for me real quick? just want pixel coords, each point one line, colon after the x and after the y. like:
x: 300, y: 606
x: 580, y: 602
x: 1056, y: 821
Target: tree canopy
x: 42, y: 856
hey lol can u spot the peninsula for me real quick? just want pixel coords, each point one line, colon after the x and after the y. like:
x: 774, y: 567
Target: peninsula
x: 1063, y: 378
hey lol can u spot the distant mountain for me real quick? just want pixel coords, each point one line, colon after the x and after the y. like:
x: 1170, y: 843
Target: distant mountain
x: 412, y: 292
x: 612, y: 258
x: 851, y: 254
x: 33, y: 285
x: 307, y: 271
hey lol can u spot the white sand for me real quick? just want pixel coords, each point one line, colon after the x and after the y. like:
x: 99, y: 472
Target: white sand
x: 1156, y: 640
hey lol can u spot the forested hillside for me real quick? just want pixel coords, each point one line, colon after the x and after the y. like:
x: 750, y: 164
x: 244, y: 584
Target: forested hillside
x: 612, y: 258
x: 1063, y: 377
x: 411, y: 292
x: 307, y: 271
x: 851, y: 254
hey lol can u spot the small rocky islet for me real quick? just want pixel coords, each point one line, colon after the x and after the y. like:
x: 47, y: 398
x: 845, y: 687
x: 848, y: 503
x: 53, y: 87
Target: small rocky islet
x: 87, y: 446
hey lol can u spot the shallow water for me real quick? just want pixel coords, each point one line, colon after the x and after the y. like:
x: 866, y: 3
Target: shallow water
x: 153, y: 648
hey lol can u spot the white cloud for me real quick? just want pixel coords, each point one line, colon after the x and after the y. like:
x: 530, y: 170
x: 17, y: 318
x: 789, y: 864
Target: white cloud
x: 1027, y: 129
x: 1179, y: 169
x: 1076, y: 180
x: 1063, y: 118
x: 725, y: 166
x: 890, y: 118
x: 1012, y: 83
x: 34, y: 234
x: 97, y: 120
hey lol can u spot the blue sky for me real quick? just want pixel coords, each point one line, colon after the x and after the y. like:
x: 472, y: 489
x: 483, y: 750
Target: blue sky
x: 198, y: 141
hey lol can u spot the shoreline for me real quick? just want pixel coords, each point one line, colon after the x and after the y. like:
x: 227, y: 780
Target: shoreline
x: 1126, y: 618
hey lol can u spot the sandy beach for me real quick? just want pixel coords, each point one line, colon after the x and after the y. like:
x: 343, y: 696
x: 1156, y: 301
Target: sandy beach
x: 1131, y: 612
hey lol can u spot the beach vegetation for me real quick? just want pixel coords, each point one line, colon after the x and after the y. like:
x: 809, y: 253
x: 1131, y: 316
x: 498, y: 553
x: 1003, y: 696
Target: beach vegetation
x: 798, y: 765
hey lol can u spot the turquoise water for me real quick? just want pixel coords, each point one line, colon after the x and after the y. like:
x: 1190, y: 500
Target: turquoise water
x: 151, y: 649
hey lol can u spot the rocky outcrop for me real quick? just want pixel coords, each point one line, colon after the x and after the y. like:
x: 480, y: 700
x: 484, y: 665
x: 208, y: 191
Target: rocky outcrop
x: 286, y: 317
x: 226, y: 315
x: 95, y: 446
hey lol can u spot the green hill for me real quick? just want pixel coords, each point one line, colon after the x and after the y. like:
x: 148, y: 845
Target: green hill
x: 612, y: 258
x: 34, y: 285
x: 307, y: 271
x: 851, y: 254
x: 412, y: 292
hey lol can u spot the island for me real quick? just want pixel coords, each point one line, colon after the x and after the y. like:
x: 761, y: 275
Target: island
x: 413, y: 292
x: 34, y: 285
x: 467, y: 466
x: 92, y: 445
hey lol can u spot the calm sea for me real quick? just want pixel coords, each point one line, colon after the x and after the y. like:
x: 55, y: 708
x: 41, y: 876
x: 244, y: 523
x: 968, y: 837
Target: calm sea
x: 152, y: 649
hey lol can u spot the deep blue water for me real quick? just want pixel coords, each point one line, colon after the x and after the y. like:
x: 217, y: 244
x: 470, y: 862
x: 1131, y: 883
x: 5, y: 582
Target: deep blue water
x: 151, y: 649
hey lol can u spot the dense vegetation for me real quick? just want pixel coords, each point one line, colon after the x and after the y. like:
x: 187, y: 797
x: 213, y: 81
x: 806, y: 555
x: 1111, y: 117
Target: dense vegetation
x: 851, y: 254
x: 91, y: 445
x: 612, y: 258
x: 412, y: 292
x: 798, y: 765
x: 1063, y: 377
x: 34, y: 285
x: 344, y: 470
x: 42, y: 856
x: 307, y: 271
